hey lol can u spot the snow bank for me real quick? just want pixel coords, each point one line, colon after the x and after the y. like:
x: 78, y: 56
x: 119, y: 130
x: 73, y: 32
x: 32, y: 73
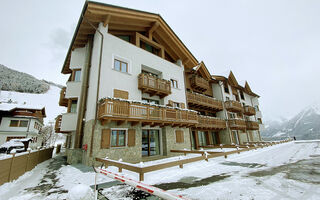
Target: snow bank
x: 80, y: 192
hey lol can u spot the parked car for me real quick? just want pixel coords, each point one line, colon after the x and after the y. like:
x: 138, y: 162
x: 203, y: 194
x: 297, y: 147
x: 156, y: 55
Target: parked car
x: 16, y: 144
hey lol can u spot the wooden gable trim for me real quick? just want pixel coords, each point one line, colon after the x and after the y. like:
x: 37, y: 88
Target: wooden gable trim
x: 232, y: 80
x: 203, y: 70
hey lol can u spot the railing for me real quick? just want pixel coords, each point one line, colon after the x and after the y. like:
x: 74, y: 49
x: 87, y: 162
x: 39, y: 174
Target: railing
x: 238, y: 124
x: 249, y: 110
x: 57, y: 125
x: 199, y: 83
x: 111, y: 108
x: 154, y: 85
x: 63, y: 101
x: 252, y: 125
x: 233, y: 106
x: 208, y: 102
x: 211, y: 123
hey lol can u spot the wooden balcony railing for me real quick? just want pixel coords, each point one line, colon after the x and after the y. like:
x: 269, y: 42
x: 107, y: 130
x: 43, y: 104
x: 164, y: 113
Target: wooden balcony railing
x: 201, y: 101
x: 252, y: 125
x: 233, y: 106
x: 110, y: 109
x: 249, y: 110
x: 211, y: 123
x: 237, y: 124
x: 57, y: 125
x: 153, y: 85
x: 199, y: 83
x: 63, y: 101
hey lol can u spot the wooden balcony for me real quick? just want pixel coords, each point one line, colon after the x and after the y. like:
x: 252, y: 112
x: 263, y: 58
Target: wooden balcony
x: 136, y: 113
x: 249, y: 110
x: 233, y: 106
x: 237, y: 124
x: 200, y: 101
x: 252, y: 125
x: 199, y: 83
x: 210, y: 123
x: 63, y: 101
x: 57, y: 125
x: 153, y: 85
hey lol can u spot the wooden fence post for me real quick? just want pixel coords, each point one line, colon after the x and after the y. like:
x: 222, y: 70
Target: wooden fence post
x: 9, y: 177
x: 27, y: 161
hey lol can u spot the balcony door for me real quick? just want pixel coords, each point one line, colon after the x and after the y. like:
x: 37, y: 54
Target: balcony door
x: 235, y: 137
x: 150, y: 142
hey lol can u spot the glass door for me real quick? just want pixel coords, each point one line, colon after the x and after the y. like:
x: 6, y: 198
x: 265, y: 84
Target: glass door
x: 150, y: 142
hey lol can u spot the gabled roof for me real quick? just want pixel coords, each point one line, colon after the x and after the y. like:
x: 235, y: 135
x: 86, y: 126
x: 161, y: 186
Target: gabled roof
x: 10, y: 107
x: 203, y: 70
x: 125, y: 19
x: 232, y: 80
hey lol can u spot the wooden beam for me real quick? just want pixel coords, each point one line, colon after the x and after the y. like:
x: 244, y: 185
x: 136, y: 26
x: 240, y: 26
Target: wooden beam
x: 107, y: 20
x: 155, y: 25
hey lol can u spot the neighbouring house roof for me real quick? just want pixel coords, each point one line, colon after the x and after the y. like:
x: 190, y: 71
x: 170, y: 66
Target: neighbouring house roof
x: 120, y: 18
x: 11, y: 107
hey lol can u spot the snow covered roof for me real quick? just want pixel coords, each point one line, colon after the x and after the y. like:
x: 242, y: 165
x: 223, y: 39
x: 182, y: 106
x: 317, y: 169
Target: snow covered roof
x: 12, y: 143
x: 12, y: 106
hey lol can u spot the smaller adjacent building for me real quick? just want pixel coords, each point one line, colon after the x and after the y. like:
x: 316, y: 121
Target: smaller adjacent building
x: 21, y: 121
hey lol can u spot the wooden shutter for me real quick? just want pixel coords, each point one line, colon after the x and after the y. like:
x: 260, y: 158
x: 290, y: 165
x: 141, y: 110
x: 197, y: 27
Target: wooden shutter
x: 179, y: 136
x: 105, y: 138
x: 170, y: 103
x: 120, y: 94
x: 131, y: 137
x: 183, y: 106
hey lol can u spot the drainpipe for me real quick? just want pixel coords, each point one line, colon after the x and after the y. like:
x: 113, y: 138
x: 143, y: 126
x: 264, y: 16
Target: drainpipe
x: 98, y: 83
x: 224, y: 110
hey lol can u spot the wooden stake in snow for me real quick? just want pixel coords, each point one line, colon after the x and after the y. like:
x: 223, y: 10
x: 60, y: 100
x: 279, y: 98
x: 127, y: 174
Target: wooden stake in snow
x: 141, y: 186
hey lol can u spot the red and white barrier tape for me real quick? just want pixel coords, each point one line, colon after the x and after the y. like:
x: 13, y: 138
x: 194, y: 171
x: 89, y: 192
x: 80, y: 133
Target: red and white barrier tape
x: 142, y: 186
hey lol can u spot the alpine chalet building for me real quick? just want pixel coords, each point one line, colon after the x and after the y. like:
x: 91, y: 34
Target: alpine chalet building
x: 135, y: 91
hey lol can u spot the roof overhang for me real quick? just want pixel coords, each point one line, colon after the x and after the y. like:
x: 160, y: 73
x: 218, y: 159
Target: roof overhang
x: 125, y: 19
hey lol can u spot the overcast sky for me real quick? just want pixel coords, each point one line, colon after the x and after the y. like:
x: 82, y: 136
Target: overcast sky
x: 273, y: 44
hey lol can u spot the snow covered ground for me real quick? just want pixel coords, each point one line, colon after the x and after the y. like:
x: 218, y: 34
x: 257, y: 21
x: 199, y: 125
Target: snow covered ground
x: 284, y: 171
x: 49, y: 100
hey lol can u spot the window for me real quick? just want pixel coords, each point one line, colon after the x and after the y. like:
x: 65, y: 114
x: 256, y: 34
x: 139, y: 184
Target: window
x: 256, y: 108
x: 118, y: 138
x: 77, y: 76
x: 149, y: 48
x: 226, y: 88
x: 18, y: 123
x: 23, y: 123
x: 14, y: 123
x: 227, y: 98
x: 232, y: 115
x: 259, y: 121
x: 241, y: 95
x: 176, y: 105
x: 125, y: 37
x: 174, y: 83
x: 73, y: 106
x: 152, y: 101
x: 120, y: 66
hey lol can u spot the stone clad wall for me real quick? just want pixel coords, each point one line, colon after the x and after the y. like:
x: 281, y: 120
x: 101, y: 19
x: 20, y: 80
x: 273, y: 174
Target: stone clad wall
x: 130, y: 154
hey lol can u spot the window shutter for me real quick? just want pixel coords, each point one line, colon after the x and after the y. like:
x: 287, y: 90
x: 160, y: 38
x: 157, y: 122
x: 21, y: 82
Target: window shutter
x: 131, y: 137
x: 120, y: 94
x: 105, y: 138
x: 179, y: 136
x: 183, y: 106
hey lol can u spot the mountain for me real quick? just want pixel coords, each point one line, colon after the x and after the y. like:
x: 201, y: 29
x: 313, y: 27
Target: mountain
x: 12, y: 80
x: 24, y: 89
x: 305, y: 125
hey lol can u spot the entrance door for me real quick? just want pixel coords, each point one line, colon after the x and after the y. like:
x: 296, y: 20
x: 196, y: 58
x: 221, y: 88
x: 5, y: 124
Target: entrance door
x: 150, y: 142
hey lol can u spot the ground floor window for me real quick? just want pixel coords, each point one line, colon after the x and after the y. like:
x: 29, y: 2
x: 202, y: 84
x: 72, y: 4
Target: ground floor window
x: 150, y: 142
x: 118, y: 138
x: 202, y: 138
x: 235, y: 137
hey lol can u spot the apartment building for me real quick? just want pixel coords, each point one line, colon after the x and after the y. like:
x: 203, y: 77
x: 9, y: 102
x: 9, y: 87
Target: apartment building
x: 133, y: 89
x: 21, y: 121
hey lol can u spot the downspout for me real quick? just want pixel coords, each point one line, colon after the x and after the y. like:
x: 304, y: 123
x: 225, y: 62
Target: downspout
x: 98, y: 84
x: 225, y: 112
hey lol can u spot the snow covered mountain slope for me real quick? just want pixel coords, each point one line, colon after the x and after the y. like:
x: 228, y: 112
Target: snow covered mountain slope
x: 305, y: 125
x: 49, y: 100
x: 12, y: 80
